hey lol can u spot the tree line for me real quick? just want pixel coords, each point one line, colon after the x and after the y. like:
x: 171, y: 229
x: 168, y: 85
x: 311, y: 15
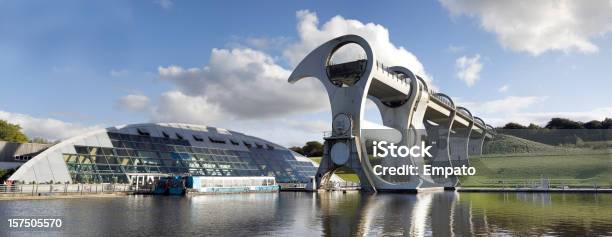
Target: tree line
x: 556, y: 131
x: 562, y: 131
x: 564, y: 123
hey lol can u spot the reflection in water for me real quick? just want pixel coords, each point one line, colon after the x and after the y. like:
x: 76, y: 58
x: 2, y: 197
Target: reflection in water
x: 426, y: 214
x: 419, y: 215
x: 466, y: 214
x: 541, y: 199
x: 327, y: 213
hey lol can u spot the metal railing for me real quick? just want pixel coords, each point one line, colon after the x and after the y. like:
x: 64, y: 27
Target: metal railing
x: 541, y: 183
x: 39, y: 189
x: 441, y: 99
x: 464, y: 112
x: 479, y: 122
x: 396, y: 76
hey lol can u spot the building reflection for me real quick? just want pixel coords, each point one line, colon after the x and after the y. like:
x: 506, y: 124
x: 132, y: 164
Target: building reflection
x: 425, y: 214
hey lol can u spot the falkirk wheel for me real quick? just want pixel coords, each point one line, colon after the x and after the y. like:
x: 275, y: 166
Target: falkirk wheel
x: 411, y: 112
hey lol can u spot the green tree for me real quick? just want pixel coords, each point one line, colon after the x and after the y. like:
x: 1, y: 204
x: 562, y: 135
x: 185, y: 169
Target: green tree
x: 514, y: 126
x: 607, y: 123
x: 534, y: 126
x: 11, y: 132
x: 313, y: 148
x: 593, y: 125
x: 563, y: 123
x: 297, y: 149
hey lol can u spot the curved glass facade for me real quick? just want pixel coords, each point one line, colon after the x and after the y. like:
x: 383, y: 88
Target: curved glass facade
x: 117, y: 154
x: 142, y: 154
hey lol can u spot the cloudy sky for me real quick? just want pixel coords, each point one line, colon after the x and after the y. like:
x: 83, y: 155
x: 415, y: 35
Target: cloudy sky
x: 71, y: 66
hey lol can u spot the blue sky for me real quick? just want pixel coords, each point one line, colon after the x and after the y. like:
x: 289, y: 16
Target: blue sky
x: 71, y: 66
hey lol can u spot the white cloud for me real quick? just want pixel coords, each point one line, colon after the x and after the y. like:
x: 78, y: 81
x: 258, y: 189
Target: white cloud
x: 503, y: 88
x: 165, y: 4
x: 246, y: 89
x: 540, y: 26
x: 311, y: 36
x: 133, y: 102
x: 174, y: 106
x: 541, y: 118
x: 246, y: 84
x: 48, y: 128
x: 521, y: 110
x: 309, y: 126
x: 507, y: 105
x: 468, y: 69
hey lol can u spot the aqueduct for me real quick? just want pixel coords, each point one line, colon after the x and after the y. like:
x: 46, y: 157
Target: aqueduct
x: 411, y: 113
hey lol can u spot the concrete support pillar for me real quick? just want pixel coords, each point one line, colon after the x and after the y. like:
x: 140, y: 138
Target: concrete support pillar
x: 439, y: 138
x: 476, y: 143
x: 459, y: 142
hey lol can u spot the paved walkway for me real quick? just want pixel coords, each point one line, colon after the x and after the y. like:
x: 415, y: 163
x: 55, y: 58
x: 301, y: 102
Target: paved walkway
x: 536, y: 190
x: 7, y: 197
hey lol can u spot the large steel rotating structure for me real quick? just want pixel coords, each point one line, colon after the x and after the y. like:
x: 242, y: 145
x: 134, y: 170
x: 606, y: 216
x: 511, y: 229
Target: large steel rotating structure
x: 411, y: 113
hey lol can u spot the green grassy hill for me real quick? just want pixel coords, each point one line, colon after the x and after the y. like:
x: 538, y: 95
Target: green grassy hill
x: 504, y: 144
x: 572, y: 169
x: 511, y: 161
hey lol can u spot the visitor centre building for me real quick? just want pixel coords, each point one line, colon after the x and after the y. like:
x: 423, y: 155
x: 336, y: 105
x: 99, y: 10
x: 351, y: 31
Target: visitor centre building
x: 143, y: 152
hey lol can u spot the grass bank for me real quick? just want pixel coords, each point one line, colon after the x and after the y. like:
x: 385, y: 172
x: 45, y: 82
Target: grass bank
x: 574, y: 169
x: 571, y: 169
x: 511, y: 161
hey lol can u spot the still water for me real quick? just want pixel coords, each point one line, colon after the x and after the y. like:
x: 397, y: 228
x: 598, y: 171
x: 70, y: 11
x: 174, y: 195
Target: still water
x: 328, y: 214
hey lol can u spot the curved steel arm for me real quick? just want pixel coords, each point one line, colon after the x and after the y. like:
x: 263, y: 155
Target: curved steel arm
x: 423, y: 82
x: 480, y: 121
x: 466, y: 110
x: 452, y: 103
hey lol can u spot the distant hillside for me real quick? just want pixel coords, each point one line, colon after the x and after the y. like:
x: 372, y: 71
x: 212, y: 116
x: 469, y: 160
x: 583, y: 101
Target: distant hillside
x: 584, y: 168
x: 505, y: 144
